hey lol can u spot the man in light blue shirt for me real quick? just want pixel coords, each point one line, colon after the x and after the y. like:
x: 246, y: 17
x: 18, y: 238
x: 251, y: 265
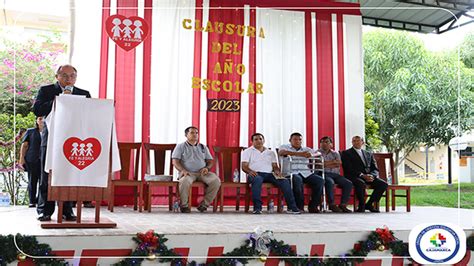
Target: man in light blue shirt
x: 301, y: 172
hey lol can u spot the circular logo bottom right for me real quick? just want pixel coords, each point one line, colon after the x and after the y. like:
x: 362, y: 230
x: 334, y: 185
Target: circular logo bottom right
x: 437, y: 243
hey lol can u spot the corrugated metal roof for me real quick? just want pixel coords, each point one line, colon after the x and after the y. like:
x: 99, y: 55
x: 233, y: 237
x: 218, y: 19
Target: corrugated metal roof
x: 428, y: 16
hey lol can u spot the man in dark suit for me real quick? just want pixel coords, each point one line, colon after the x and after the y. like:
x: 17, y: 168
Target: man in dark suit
x: 359, y: 166
x: 66, y: 78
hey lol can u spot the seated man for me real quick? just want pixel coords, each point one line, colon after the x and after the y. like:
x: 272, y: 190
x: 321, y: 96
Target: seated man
x: 261, y: 166
x: 359, y: 166
x: 332, y: 163
x: 301, y: 172
x: 193, y: 161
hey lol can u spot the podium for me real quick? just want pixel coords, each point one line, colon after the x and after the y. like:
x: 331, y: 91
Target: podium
x: 79, y: 194
x: 81, y: 157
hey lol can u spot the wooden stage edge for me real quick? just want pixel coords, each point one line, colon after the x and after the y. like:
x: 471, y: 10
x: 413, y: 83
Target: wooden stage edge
x: 85, y: 223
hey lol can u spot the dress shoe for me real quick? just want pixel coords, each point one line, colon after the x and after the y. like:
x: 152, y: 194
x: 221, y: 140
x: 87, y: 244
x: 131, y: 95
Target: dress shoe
x: 88, y: 205
x: 344, y: 208
x: 32, y: 205
x: 371, y: 208
x: 360, y: 209
x: 70, y: 217
x: 335, y: 208
x: 202, y: 208
x: 313, y: 210
x: 44, y: 218
x: 257, y: 212
x: 185, y: 209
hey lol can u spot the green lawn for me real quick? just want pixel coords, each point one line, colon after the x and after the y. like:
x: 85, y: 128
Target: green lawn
x: 440, y: 195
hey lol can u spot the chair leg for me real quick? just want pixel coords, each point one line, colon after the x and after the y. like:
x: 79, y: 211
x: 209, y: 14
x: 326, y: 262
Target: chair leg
x: 221, y: 199
x: 112, y: 198
x: 247, y: 199
x: 387, y: 200
x: 237, y: 199
x: 140, y: 198
x: 170, y: 198
x: 408, y: 200
x: 215, y: 203
x: 149, y: 198
x: 145, y: 198
x: 279, y: 202
x: 135, y: 195
x: 393, y: 200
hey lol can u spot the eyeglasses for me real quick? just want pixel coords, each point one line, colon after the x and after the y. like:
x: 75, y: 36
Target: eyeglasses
x: 66, y: 76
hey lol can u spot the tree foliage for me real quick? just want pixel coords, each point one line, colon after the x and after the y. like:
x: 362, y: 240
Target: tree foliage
x: 415, y: 92
x: 466, y: 50
x: 24, y: 67
x: 9, y: 154
x: 372, y: 138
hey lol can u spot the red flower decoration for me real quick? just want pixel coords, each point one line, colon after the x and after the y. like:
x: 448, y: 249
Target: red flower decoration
x: 148, y: 238
x: 357, y: 247
x: 385, y: 235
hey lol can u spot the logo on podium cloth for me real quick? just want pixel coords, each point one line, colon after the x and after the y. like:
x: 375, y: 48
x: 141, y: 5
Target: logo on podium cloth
x: 81, y: 153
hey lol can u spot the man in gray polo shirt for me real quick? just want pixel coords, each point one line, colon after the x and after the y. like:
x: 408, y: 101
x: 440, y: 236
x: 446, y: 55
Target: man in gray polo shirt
x: 193, y: 161
x: 332, y: 163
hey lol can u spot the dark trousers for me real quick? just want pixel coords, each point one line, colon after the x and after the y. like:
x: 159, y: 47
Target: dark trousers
x: 44, y: 206
x: 34, y: 174
x: 283, y: 184
x: 315, y: 182
x: 344, y: 183
x: 360, y: 185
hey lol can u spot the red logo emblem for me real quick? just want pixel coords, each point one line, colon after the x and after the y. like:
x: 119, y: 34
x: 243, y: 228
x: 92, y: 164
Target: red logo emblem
x: 126, y: 32
x: 81, y: 153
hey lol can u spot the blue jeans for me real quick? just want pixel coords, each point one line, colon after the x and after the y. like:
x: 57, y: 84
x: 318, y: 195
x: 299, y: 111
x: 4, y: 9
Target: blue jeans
x: 315, y: 182
x: 344, y: 183
x: 284, y: 184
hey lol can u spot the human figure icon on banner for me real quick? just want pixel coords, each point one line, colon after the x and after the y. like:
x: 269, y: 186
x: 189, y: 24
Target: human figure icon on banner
x: 74, y: 149
x: 116, y: 29
x: 138, y: 31
x: 127, y: 30
x: 89, y: 150
x: 81, y: 150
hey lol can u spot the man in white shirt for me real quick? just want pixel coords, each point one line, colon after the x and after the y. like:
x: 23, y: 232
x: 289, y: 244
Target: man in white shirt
x: 301, y: 172
x: 261, y: 165
x: 360, y: 168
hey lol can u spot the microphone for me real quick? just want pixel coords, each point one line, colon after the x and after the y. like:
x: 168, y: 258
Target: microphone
x: 68, y: 88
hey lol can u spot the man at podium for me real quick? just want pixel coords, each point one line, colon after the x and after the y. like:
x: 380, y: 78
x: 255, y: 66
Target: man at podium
x: 66, y: 78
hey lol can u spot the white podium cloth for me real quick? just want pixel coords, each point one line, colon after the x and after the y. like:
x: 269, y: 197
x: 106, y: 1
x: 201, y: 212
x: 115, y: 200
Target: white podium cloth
x: 81, y: 137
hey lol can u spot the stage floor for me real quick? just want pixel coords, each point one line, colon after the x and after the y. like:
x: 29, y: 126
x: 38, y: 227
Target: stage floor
x: 21, y: 219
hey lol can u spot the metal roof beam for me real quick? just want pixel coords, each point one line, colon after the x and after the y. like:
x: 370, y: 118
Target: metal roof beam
x: 467, y: 3
x: 403, y: 22
x: 454, y: 8
x: 450, y: 28
x: 403, y: 25
x: 388, y: 27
